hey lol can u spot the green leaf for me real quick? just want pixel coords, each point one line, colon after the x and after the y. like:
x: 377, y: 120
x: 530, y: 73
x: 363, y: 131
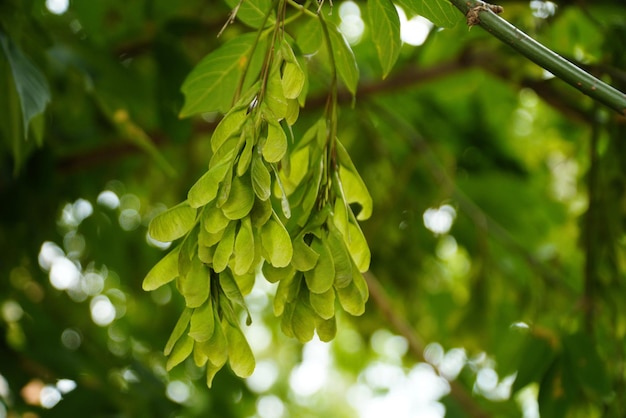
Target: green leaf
x: 240, y: 355
x: 224, y: 248
x: 30, y: 84
x: 244, y: 247
x: 211, y: 371
x: 261, y: 212
x: 322, y: 276
x: 261, y: 179
x: 246, y: 281
x: 441, y: 12
x: 293, y: 111
x: 173, y: 223
x: 216, y: 347
x: 228, y: 127
x: 323, y: 303
x: 344, y: 59
x: 253, y: 12
x: 196, y: 285
x: 275, y: 97
x: 310, y: 37
x: 326, y: 328
x: 286, y: 291
x: 240, y: 199
x: 202, y: 322
x: 341, y: 257
x: 304, y: 257
x: 182, y: 350
x: 354, y: 188
x: 351, y: 297
x: 535, y: 358
x: 385, y: 28
x: 179, y: 330
x: 231, y: 290
x: 245, y: 157
x: 188, y: 250
x: 205, y: 189
x: 582, y: 358
x: 274, y: 274
x: 358, y: 248
x: 226, y: 154
x: 275, y: 145
x: 211, y: 85
x: 292, y: 80
x: 163, y: 272
x: 303, y: 319
x: 276, y: 243
x: 213, y: 219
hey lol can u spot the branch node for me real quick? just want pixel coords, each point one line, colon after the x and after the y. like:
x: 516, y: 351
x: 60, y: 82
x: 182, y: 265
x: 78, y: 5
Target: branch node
x: 472, y: 14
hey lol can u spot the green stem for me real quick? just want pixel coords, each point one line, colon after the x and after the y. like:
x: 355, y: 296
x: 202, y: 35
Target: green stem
x: 544, y: 57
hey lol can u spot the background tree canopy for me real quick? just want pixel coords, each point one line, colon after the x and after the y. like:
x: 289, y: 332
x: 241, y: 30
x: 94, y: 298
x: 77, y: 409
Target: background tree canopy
x: 498, y: 262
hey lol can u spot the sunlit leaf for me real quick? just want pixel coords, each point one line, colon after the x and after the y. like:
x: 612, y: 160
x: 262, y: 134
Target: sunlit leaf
x: 202, y: 322
x: 231, y: 289
x: 205, y: 189
x: 209, y: 239
x: 341, y: 257
x: 323, y: 303
x: 240, y: 355
x: 211, y: 371
x: 385, y: 29
x: 351, y: 299
x: 275, y: 97
x: 354, y: 188
x: 212, y: 84
x: 213, y: 219
x: 216, y: 347
x: 240, y: 199
x: 303, y: 320
x: 244, y: 247
x: 304, y: 257
x: 261, y: 212
x: 163, y: 272
x: 276, y: 243
x: 224, y: 249
x: 275, y: 146
x: 326, y: 328
x: 292, y: 80
x: 293, y: 111
x: 179, y: 330
x: 228, y: 127
x: 261, y: 179
x: 286, y: 292
x: 322, y: 276
x: 182, y: 350
x: 188, y: 250
x: 173, y: 223
x: 226, y: 154
x: 196, y: 285
x: 274, y: 274
x: 245, y: 157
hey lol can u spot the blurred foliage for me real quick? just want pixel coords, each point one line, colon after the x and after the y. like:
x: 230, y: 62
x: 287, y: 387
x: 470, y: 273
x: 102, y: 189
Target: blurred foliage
x: 497, y: 235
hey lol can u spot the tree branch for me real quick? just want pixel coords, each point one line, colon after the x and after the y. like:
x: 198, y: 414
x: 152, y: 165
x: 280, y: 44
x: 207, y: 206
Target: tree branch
x: 542, y: 56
